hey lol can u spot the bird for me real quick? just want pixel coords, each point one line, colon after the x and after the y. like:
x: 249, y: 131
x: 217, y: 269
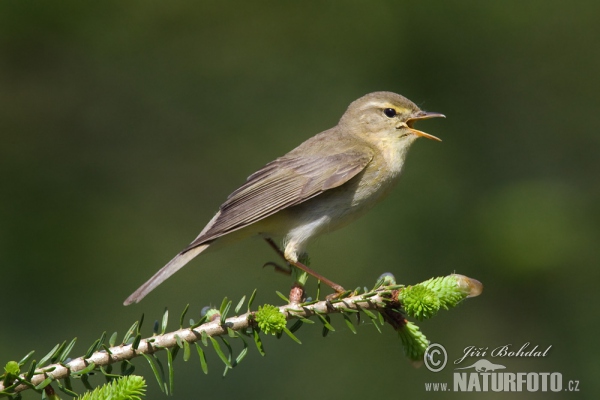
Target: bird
x: 320, y: 186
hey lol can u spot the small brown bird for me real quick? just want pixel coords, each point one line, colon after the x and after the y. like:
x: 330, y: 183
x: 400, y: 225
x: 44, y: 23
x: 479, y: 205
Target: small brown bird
x: 328, y: 181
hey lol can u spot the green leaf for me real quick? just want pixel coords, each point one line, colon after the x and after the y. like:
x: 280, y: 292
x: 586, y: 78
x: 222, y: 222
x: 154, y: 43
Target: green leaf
x: 171, y: 370
x: 65, y: 390
x: 282, y: 296
x: 31, y: 371
x: 379, y: 283
x: 175, y: 351
x: 65, y: 353
x: 293, y: 311
x: 251, y: 299
x: 318, y: 290
x: 200, y: 322
x: 296, y: 326
x: 204, y: 338
x: 45, y: 359
x: 179, y: 341
x: 306, y: 320
x: 86, y: 382
x: 239, y: 305
x: 185, y: 310
x: 152, y: 362
x: 223, y: 305
x: 229, y: 349
x: 106, y: 372
x: 291, y: 335
x: 186, y: 351
x: 130, y: 332
x: 202, y: 358
x: 90, y: 367
x: 139, y: 326
x: 26, y: 359
x: 136, y: 341
x: 224, y: 311
x: 243, y: 353
x: 225, y: 371
x: 395, y: 287
x: 369, y: 314
x: 92, y: 349
x: 162, y: 373
x: 44, y: 383
x: 349, y: 323
x: 112, y: 340
x: 124, y: 366
x: 67, y: 383
x: 258, y: 342
x: 58, y: 352
x: 220, y: 353
x: 376, y: 325
x: 24, y: 382
x: 130, y: 368
x: 326, y: 322
x: 165, y: 321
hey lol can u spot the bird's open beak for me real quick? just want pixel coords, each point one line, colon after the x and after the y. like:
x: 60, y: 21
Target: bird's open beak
x: 423, y: 115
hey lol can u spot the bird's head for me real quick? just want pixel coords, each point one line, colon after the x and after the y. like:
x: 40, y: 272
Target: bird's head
x: 385, y: 115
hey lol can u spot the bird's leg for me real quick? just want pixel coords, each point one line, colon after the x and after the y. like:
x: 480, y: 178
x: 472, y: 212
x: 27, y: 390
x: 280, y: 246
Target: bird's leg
x: 275, y: 247
x: 297, y: 264
x: 297, y: 290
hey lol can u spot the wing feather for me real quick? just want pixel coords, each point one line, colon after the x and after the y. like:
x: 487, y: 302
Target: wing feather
x: 283, y: 183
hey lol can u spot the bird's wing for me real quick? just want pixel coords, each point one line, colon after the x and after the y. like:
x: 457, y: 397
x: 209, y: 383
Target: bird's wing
x: 283, y: 183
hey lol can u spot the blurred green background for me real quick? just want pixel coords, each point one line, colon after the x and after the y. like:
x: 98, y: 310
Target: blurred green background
x: 124, y: 125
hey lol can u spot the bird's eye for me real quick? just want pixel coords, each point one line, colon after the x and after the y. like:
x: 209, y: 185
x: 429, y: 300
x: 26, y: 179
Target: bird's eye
x: 389, y: 112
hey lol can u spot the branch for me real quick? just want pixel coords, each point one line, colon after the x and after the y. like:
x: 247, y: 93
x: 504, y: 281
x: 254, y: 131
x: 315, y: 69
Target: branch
x: 393, y: 302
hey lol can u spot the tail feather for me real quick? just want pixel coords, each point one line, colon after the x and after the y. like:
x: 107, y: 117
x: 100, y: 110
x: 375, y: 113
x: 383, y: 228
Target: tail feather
x: 164, y: 273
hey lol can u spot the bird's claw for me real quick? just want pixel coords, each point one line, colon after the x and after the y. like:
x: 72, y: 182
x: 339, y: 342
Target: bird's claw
x: 278, y: 268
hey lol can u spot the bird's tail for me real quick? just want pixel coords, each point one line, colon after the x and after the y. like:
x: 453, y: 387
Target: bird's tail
x: 165, y: 272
